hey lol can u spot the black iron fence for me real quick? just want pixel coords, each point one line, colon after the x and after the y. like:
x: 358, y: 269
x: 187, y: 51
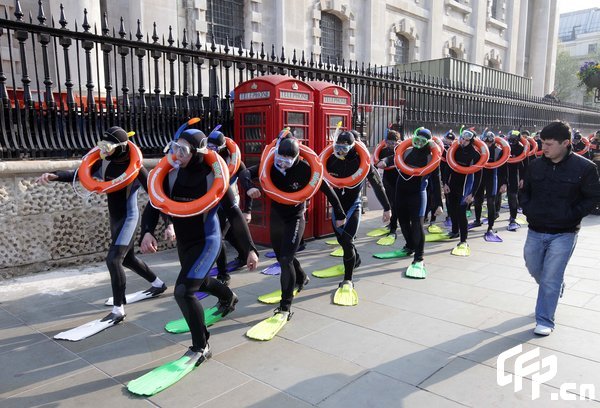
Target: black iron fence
x: 62, y: 84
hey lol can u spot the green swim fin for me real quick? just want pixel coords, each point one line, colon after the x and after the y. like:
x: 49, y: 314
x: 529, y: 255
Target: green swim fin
x: 521, y: 220
x: 345, y: 295
x: 333, y: 241
x: 167, y: 374
x: 435, y: 229
x: 416, y: 270
x: 402, y: 253
x: 273, y: 297
x: 462, y: 249
x: 211, y: 316
x: 378, y: 232
x: 268, y: 328
x: 338, y: 252
x: 332, y: 271
x: 387, y: 240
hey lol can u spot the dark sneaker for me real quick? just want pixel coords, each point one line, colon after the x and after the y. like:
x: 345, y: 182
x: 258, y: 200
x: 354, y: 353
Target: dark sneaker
x: 198, y: 356
x: 154, y: 291
x: 224, y: 279
x: 224, y: 308
x: 115, y: 318
x: 358, y: 261
x: 288, y: 314
x: 301, y: 286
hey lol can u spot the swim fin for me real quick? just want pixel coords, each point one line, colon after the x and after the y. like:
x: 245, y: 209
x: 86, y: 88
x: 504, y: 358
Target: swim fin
x: 404, y: 252
x: 89, y: 329
x: 513, y: 226
x: 521, y: 221
x: 168, y: 374
x: 462, y: 249
x: 345, y: 295
x: 332, y: 271
x: 491, y: 236
x: 268, y: 328
x: 211, y: 316
x: 337, y: 252
x: 416, y: 270
x: 274, y: 269
x: 273, y: 297
x: 378, y: 232
x: 387, y: 240
x: 270, y: 254
x: 435, y: 229
x: 333, y: 241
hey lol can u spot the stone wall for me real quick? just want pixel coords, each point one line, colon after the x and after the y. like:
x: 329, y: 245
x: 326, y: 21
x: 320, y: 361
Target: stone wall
x: 44, y: 227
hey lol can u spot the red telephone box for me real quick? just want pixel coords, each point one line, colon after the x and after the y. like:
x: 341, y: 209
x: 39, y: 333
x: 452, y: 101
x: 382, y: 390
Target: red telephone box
x: 332, y: 105
x: 262, y: 107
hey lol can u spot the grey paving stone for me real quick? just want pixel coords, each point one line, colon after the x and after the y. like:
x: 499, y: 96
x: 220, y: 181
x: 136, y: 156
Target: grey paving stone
x: 378, y: 391
x: 35, y: 365
x: 254, y: 394
x: 120, y: 356
x: 307, y: 374
x: 397, y: 358
x: 8, y: 319
x: 19, y: 338
x: 507, y: 285
x: 87, y: 388
x: 57, y: 313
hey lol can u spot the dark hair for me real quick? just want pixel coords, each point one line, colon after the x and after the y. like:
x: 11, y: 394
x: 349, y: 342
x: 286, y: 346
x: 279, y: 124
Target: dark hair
x: 525, y: 132
x: 557, y: 130
x: 392, y: 135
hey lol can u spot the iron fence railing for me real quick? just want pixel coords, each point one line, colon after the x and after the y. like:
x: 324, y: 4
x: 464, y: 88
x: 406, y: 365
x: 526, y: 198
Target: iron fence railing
x: 62, y: 84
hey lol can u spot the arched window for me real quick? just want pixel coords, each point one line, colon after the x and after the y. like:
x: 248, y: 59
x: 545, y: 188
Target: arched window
x: 492, y: 63
x: 225, y: 18
x: 494, y: 9
x: 331, y: 38
x: 402, y: 47
x: 452, y: 52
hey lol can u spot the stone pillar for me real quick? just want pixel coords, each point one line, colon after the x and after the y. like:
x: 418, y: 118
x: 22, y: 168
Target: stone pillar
x: 552, y: 47
x: 538, y: 45
x: 477, y: 46
x: 434, y: 32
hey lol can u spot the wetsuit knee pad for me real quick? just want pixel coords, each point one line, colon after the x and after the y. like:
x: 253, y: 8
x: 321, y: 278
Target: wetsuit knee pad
x: 180, y: 291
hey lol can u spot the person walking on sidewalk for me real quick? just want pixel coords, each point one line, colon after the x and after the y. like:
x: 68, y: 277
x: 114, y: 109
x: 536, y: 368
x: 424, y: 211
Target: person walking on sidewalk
x: 559, y: 189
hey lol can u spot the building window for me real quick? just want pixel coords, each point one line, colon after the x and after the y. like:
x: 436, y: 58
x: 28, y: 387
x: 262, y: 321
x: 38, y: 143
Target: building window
x: 331, y: 38
x: 494, y: 9
x: 225, y: 18
x: 592, y: 48
x: 402, y: 47
x: 453, y: 53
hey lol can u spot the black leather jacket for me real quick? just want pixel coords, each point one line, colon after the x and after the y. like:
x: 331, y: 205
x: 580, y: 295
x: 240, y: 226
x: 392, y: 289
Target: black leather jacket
x: 556, y: 196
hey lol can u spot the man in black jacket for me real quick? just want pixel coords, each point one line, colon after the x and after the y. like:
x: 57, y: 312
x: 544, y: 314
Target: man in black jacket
x: 559, y: 189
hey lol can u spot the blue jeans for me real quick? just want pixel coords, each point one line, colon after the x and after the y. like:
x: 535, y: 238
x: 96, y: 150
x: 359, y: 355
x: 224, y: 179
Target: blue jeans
x: 546, y: 257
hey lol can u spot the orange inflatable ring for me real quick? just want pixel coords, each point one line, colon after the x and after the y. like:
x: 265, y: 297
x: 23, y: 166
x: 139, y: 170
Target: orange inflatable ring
x: 586, y: 148
x: 533, y: 146
x: 159, y: 199
x: 356, y: 178
x: 377, y: 152
x: 592, y: 144
x: 484, y: 155
x: 300, y: 196
x: 438, y: 141
x: 436, y: 156
x: 235, y: 156
x: 523, y: 154
x: 505, y: 154
x: 96, y: 186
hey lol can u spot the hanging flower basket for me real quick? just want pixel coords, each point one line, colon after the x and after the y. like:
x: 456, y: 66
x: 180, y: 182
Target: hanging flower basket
x: 589, y: 74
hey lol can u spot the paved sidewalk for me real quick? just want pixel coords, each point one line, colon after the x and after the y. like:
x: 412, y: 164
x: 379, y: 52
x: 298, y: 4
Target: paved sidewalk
x: 409, y: 343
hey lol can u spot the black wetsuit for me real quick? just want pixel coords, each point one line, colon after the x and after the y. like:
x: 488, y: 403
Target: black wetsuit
x: 389, y: 179
x: 352, y: 204
x: 227, y: 232
x: 198, y: 243
x: 411, y: 200
x: 287, y: 224
x: 515, y: 173
x: 491, y: 180
x: 461, y: 185
x: 123, y: 215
